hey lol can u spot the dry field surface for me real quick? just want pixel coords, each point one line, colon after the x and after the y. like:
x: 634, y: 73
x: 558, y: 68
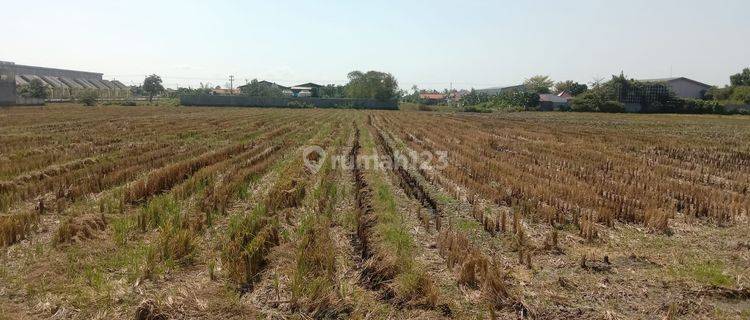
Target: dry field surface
x: 220, y: 213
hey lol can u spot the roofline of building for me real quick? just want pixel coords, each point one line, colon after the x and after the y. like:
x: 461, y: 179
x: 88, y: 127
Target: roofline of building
x: 676, y: 78
x: 57, y: 69
x: 501, y: 88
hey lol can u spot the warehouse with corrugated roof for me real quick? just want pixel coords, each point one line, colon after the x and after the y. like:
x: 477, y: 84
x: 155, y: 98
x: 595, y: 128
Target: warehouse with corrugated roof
x: 65, y: 84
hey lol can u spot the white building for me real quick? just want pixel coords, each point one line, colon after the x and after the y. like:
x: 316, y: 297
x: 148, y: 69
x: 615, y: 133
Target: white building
x: 684, y: 87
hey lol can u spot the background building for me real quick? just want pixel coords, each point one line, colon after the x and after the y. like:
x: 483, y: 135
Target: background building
x: 497, y: 90
x: 683, y: 87
x: 64, y: 84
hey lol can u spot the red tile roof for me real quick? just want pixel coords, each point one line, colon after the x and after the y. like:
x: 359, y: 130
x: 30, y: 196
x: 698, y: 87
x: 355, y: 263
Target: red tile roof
x: 432, y: 96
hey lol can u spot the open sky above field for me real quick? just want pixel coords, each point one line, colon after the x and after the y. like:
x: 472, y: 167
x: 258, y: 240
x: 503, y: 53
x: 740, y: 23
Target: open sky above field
x: 428, y: 43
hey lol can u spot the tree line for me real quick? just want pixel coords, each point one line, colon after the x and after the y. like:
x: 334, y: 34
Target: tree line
x: 375, y: 85
x: 613, y: 95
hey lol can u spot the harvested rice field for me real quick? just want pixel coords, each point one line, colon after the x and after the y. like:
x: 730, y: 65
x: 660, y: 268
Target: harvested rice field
x: 242, y: 213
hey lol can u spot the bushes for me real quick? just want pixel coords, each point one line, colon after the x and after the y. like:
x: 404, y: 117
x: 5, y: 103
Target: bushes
x: 88, y: 97
x: 700, y: 106
x: 587, y: 102
x: 508, y: 101
x: 653, y: 98
x: 741, y: 94
x: 35, y: 89
x: 612, y: 107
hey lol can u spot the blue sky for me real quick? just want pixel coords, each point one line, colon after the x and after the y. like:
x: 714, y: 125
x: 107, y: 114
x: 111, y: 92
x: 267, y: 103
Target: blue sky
x: 430, y: 44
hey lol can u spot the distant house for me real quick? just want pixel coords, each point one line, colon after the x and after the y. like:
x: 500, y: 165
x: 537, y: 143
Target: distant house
x: 565, y: 95
x: 549, y: 102
x: 683, y: 87
x: 431, y: 97
x: 497, y: 90
x: 306, y: 90
x: 219, y: 91
x: 456, y: 95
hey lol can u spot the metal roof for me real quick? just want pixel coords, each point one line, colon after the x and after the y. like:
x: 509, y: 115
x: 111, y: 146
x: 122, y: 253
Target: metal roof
x: 54, y: 82
x: 676, y: 78
x: 85, y: 83
x: 20, y: 81
x: 70, y: 83
x: 119, y: 85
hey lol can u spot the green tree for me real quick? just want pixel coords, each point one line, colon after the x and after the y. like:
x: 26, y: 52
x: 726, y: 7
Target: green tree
x: 589, y: 101
x: 571, y: 87
x: 741, y: 79
x: 261, y: 89
x: 412, y: 97
x: 474, y: 98
x: 333, y: 91
x: 35, y: 89
x: 152, y: 86
x: 88, y: 97
x: 741, y: 94
x: 539, y: 84
x: 376, y: 85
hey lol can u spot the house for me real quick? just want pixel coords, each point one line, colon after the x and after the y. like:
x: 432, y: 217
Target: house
x: 549, y: 102
x: 306, y: 90
x: 431, y: 97
x: 219, y: 91
x: 683, y: 87
x: 565, y: 95
x: 456, y: 95
x: 496, y: 90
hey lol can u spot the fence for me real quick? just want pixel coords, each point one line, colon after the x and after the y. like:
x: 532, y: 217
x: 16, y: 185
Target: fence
x: 264, y: 102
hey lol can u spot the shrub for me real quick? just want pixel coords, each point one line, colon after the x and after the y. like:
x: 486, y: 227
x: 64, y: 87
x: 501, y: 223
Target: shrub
x: 88, y: 97
x: 168, y: 102
x: 700, y: 106
x: 741, y: 94
x: 35, y: 89
x: 128, y: 103
x: 587, y: 102
x: 612, y: 107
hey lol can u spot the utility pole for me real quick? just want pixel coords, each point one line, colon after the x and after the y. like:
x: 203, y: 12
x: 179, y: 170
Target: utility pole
x: 231, y: 85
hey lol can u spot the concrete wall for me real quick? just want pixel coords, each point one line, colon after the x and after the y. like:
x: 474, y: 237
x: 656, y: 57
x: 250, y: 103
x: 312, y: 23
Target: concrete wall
x: 7, y: 84
x: 23, y: 101
x: 633, y: 107
x: 744, y: 108
x: 687, y: 89
x: 244, y: 101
